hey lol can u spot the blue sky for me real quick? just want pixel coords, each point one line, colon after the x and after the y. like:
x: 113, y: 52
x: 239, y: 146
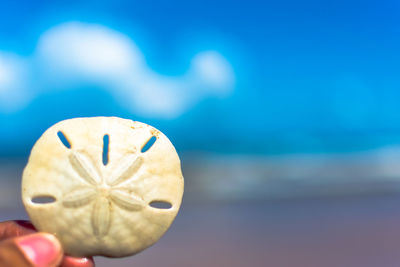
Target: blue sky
x: 299, y: 75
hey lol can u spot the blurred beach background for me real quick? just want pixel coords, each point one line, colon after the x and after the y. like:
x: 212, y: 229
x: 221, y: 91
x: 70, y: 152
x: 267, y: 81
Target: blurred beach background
x: 286, y: 116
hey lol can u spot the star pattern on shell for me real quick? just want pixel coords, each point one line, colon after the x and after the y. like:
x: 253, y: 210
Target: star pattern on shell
x: 103, y: 192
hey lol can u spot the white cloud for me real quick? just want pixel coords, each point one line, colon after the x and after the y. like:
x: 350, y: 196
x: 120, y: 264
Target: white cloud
x: 14, y: 92
x: 76, y: 53
x: 213, y: 72
x: 87, y: 51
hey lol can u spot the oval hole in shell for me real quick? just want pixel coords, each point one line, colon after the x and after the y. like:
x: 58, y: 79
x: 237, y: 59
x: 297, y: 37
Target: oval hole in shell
x: 106, y: 147
x: 148, y: 144
x: 43, y: 199
x: 64, y: 139
x: 160, y: 204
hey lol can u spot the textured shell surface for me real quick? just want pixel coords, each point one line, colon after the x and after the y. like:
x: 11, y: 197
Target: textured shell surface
x: 112, y: 186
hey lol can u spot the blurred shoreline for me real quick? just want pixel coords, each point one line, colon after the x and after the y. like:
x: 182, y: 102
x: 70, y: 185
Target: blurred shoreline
x: 221, y: 178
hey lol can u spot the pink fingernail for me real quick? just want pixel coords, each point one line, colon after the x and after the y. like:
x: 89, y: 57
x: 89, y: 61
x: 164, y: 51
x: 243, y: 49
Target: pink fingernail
x: 41, y: 249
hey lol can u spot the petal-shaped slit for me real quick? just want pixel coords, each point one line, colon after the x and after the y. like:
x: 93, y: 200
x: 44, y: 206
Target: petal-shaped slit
x: 125, y: 200
x: 84, y: 168
x: 101, y: 217
x: 79, y: 197
x: 125, y: 169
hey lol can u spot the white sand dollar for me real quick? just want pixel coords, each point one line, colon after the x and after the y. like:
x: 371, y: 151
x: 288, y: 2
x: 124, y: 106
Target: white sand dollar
x: 102, y: 195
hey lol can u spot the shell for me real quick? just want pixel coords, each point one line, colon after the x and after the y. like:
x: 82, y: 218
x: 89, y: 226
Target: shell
x: 102, y: 207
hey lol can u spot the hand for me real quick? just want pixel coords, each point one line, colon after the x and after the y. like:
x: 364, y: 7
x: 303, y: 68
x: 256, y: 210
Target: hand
x: 21, y: 245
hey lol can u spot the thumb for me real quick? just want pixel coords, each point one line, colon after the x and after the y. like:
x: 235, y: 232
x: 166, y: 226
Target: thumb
x: 34, y: 250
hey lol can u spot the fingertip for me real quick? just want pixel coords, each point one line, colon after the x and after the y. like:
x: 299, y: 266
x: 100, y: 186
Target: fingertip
x: 41, y: 249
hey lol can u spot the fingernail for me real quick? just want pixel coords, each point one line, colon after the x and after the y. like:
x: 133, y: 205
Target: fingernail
x: 73, y: 261
x: 41, y: 249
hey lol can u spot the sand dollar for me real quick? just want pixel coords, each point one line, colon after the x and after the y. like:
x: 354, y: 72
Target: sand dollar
x: 103, y: 185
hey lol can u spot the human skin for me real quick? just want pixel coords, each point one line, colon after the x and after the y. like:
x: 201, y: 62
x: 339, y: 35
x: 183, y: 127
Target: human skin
x: 21, y: 245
